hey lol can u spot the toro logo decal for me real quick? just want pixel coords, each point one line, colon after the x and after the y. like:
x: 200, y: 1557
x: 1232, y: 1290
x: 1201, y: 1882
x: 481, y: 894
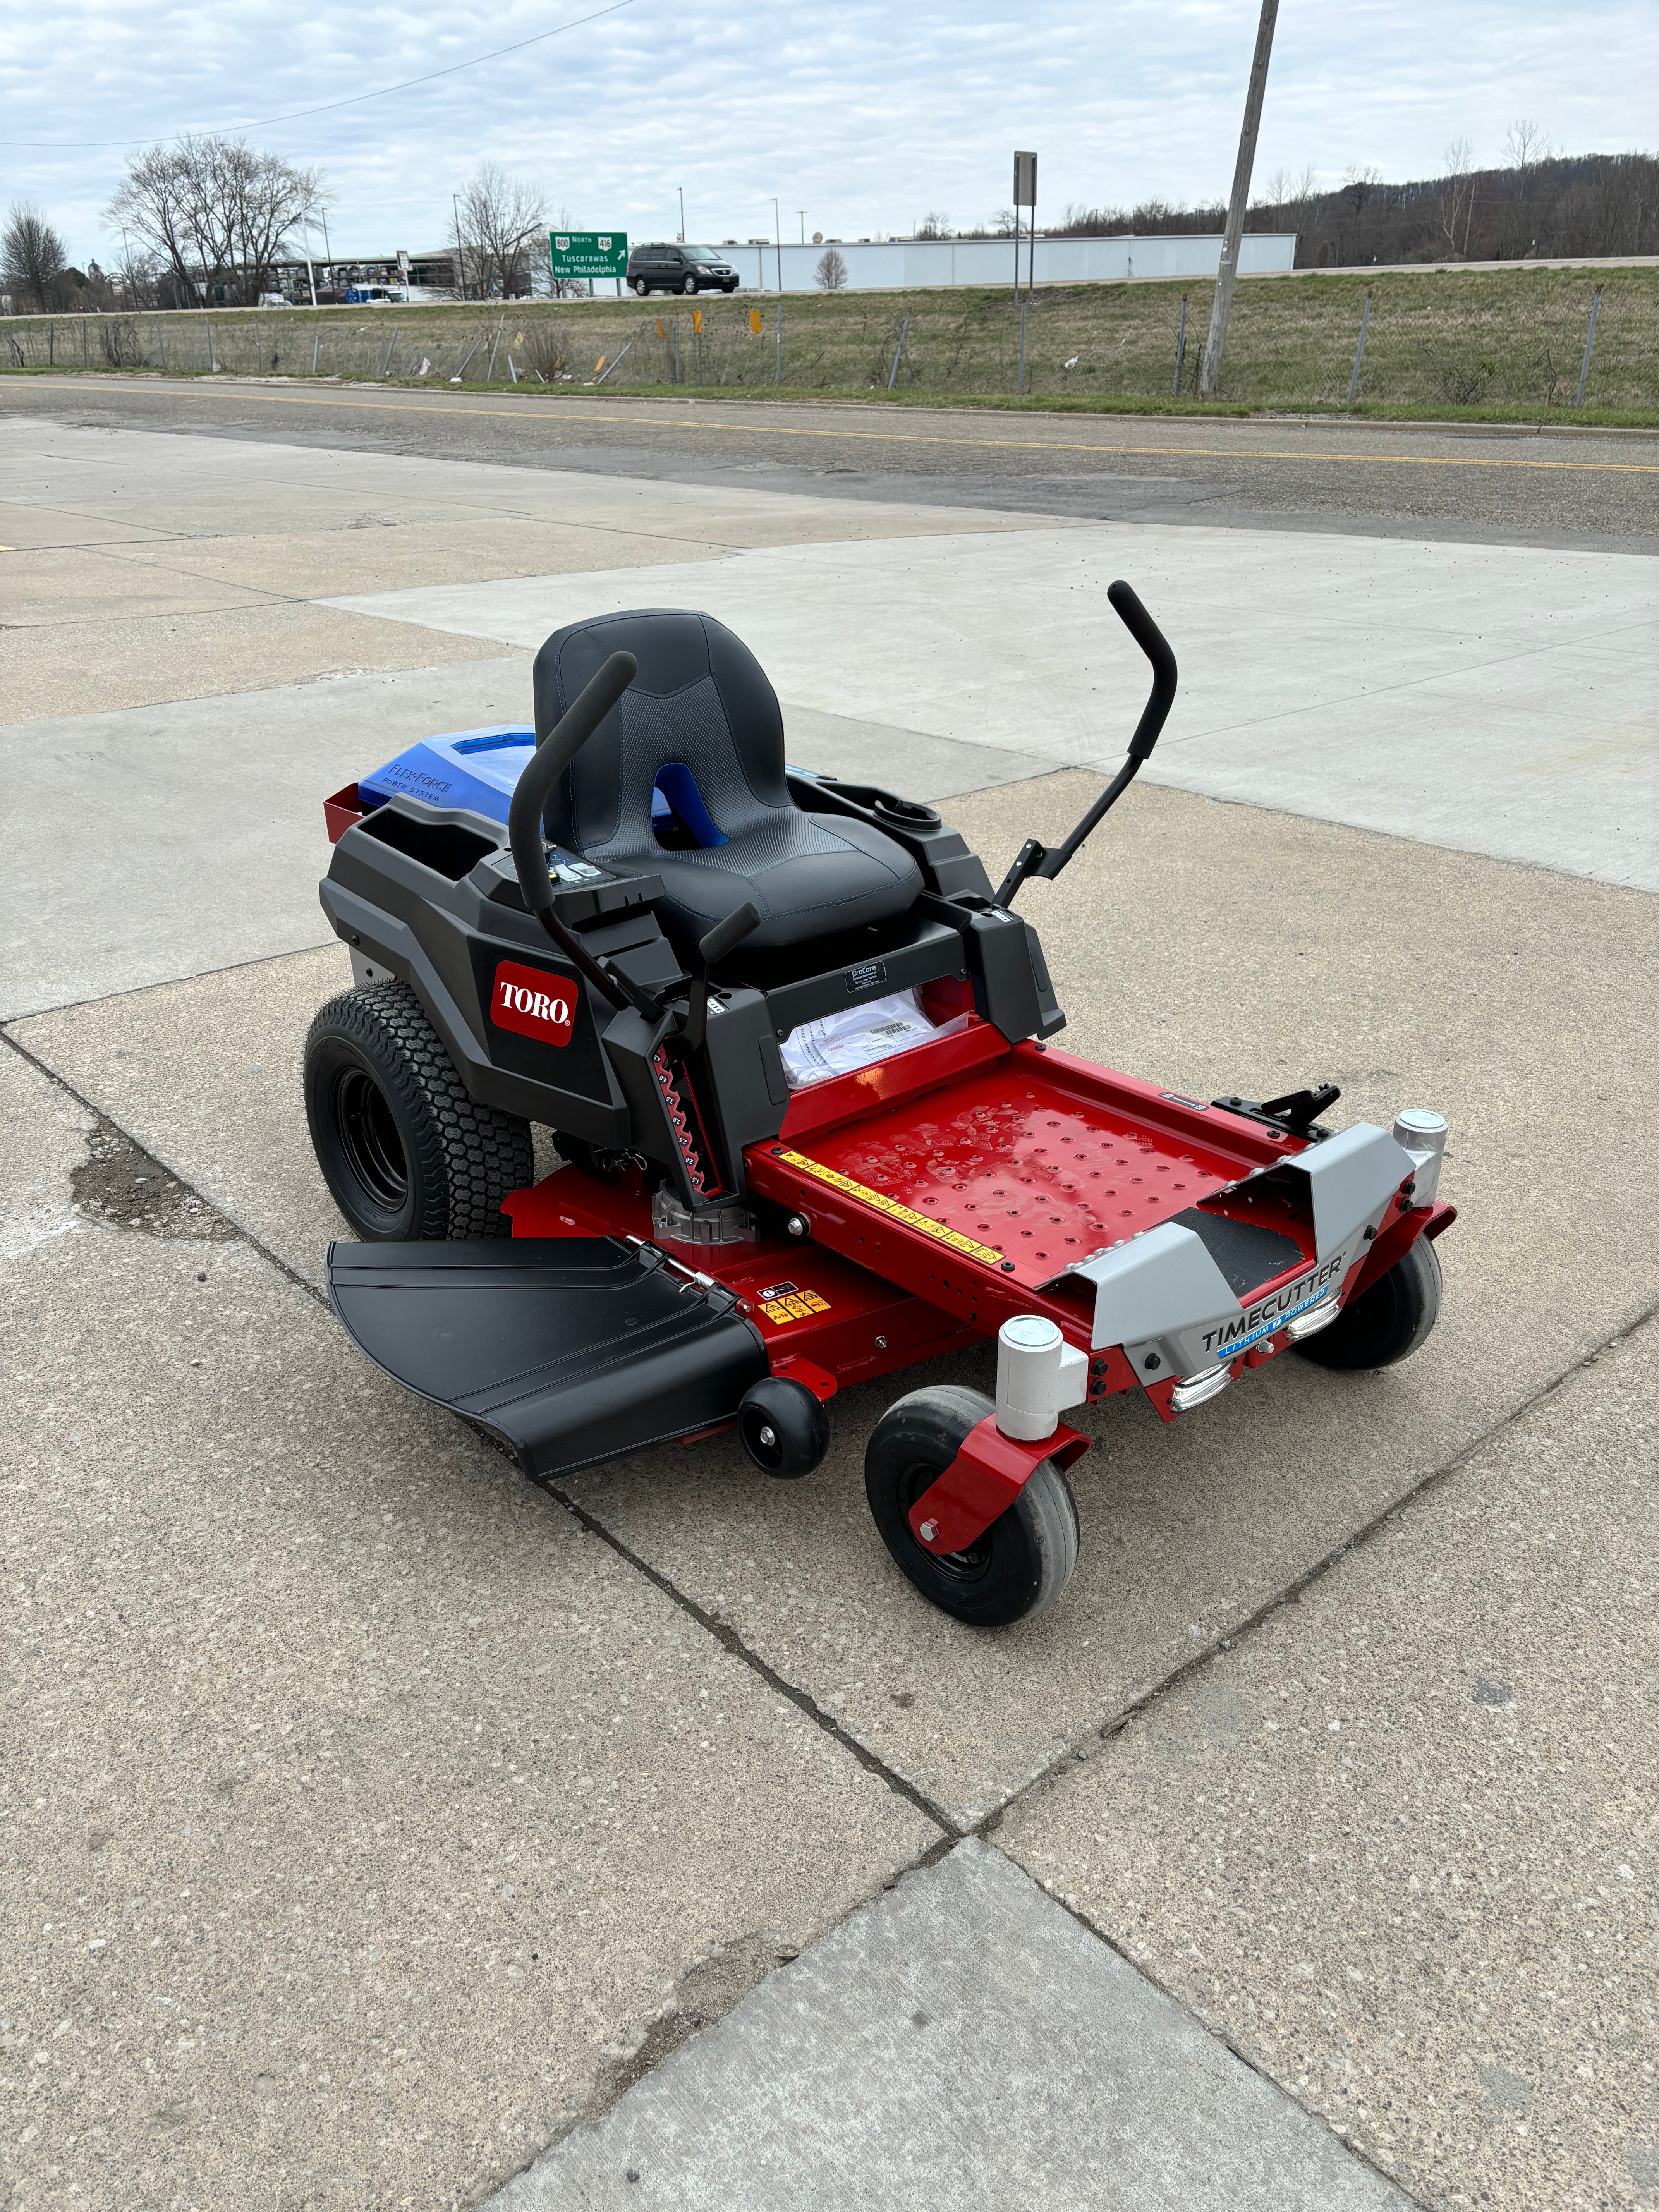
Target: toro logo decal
x: 532, y: 1002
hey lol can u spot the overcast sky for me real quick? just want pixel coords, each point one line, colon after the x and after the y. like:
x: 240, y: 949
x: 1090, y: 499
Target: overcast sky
x: 866, y: 116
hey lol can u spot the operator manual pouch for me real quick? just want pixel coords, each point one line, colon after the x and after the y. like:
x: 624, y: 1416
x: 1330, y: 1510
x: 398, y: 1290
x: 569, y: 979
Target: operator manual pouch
x: 837, y: 1043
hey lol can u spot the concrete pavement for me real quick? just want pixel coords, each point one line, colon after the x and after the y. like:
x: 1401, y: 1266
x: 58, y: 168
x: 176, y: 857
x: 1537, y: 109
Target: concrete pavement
x: 488, y: 1804
x: 1442, y: 693
x: 1402, y: 1843
x: 967, y: 2030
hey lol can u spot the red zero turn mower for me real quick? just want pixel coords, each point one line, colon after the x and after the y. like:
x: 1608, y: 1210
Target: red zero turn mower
x: 793, y: 1046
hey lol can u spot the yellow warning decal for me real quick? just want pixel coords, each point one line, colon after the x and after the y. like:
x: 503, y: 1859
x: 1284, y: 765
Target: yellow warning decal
x: 793, y: 1305
x: 891, y: 1208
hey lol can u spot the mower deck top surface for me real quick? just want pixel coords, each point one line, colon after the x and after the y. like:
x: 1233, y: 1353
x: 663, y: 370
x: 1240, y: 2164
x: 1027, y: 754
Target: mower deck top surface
x: 1016, y: 1162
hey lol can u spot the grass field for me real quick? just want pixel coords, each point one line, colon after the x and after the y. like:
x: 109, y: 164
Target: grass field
x: 1487, y: 345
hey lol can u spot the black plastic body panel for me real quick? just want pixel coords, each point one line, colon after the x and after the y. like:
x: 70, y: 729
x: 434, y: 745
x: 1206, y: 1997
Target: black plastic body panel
x: 571, y: 1350
x: 1005, y: 961
x: 857, y: 965
x: 446, y: 938
x: 947, y: 864
x: 428, y: 895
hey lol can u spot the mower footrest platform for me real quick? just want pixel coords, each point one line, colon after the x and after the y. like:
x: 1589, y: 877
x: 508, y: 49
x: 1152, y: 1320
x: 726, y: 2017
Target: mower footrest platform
x: 572, y: 1350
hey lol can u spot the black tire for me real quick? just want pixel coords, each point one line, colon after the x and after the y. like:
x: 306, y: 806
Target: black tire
x: 407, y: 1154
x: 641, y: 288
x: 1389, y: 1322
x: 783, y: 1427
x: 1021, y: 1563
x: 690, y: 288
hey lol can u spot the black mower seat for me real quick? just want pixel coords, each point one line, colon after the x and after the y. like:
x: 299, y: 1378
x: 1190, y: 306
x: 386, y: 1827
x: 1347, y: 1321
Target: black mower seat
x: 701, y: 722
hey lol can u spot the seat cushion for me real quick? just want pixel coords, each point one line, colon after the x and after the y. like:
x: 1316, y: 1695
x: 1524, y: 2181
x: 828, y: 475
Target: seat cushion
x: 809, y: 875
x: 701, y: 707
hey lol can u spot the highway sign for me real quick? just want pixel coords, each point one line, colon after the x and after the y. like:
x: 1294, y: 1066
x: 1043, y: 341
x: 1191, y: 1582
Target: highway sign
x: 588, y: 252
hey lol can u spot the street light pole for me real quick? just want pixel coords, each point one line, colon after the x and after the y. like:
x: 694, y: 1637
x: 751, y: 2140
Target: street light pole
x: 801, y: 212
x: 680, y: 188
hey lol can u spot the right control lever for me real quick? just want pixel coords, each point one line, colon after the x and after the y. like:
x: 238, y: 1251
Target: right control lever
x: 1035, y: 858
x: 722, y: 940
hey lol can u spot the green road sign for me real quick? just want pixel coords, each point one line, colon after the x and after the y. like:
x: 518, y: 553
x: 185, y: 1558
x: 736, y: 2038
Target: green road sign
x: 588, y: 252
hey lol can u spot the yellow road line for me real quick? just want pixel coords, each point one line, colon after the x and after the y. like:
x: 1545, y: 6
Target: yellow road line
x: 242, y: 392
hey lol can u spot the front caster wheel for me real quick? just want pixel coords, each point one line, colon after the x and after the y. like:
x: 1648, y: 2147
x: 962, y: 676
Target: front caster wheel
x: 1387, y: 1322
x: 1023, y: 1560
x: 783, y: 1427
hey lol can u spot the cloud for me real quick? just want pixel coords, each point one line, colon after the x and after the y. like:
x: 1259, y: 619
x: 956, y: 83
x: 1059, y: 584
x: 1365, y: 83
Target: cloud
x: 866, y: 116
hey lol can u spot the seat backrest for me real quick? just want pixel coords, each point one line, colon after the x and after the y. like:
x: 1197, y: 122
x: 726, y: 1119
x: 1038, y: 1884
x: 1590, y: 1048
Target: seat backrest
x: 700, y: 704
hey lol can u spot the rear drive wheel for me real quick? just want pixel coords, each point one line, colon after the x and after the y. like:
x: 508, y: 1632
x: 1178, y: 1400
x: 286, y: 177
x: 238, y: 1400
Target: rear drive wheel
x: 690, y: 286
x: 1386, y: 1322
x: 406, y: 1154
x: 1023, y: 1560
x: 641, y: 287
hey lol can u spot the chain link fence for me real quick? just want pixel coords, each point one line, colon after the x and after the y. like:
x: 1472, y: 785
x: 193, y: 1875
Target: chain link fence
x: 1508, y: 340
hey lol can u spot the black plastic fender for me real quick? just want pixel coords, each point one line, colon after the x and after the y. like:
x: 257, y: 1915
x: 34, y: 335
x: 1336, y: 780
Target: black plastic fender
x: 572, y: 1350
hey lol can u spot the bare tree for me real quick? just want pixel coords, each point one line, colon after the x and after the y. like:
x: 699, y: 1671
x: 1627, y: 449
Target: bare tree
x: 32, y: 256
x: 500, y: 215
x: 1457, y: 200
x: 216, y: 213
x: 830, y: 275
x: 934, y: 226
x: 1526, y: 149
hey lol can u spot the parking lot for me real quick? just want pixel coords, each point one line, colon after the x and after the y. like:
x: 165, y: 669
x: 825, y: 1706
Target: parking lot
x: 383, y: 1828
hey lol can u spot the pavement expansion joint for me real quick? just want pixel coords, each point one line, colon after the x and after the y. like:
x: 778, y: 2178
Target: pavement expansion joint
x: 1211, y: 2027
x: 1080, y: 1750
x: 1087, y: 1746
x: 727, y: 1636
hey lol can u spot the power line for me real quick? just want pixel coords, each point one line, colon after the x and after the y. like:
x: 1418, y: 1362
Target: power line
x: 294, y: 115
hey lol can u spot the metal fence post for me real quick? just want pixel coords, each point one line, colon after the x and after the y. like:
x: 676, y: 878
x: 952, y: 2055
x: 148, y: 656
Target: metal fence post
x: 1020, y: 386
x: 1181, y: 344
x: 898, y: 350
x: 316, y: 341
x: 1589, y: 340
x: 1359, y: 350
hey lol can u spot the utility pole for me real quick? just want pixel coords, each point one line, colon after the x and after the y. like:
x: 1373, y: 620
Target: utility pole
x: 1209, y: 378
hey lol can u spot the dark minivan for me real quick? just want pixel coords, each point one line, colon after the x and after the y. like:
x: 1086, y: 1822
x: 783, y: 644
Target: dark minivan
x: 679, y: 268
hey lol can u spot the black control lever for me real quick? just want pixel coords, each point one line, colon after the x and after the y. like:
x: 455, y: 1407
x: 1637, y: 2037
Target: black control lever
x: 1034, y: 858
x: 722, y: 940
x: 552, y: 757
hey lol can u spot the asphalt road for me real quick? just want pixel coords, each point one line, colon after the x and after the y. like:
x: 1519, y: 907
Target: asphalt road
x: 1514, y: 486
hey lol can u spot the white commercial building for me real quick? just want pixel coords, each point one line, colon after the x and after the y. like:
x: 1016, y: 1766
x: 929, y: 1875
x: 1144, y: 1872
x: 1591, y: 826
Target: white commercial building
x: 905, y: 264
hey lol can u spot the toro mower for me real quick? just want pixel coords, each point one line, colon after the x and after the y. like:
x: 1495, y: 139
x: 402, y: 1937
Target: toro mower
x: 794, y: 1050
